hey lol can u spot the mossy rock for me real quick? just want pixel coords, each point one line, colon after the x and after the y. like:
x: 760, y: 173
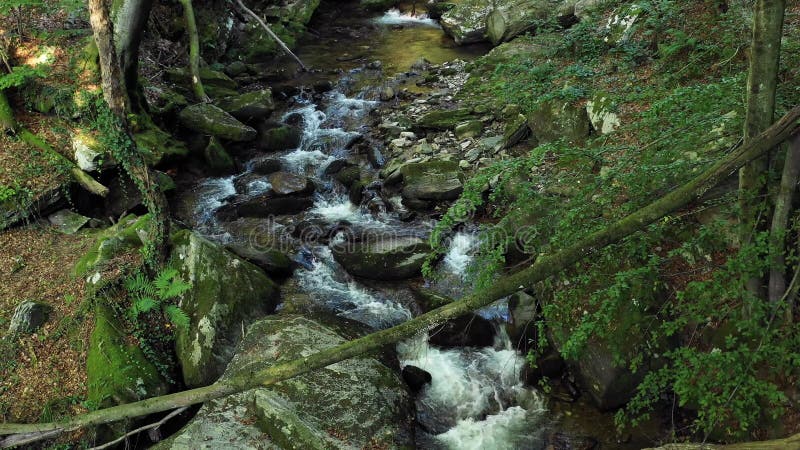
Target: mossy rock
x: 600, y: 109
x: 226, y: 292
x: 357, y: 403
x: 465, y: 21
x: 117, y: 371
x: 280, y: 138
x: 556, y: 119
x: 124, y: 236
x: 155, y: 144
x: 210, y: 78
x: 349, y: 176
x: 218, y: 160
x: 431, y: 181
x: 444, y: 120
x: 381, y: 257
x: 213, y: 121
x: 250, y: 106
x: 468, y: 129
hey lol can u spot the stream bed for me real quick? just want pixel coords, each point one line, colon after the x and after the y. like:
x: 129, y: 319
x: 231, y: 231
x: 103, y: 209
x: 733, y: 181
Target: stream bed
x: 476, y: 398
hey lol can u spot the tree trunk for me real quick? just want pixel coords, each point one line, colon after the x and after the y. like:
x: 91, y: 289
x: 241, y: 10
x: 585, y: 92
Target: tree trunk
x: 194, y: 51
x: 129, y: 21
x: 117, y: 99
x: 545, y: 266
x: 780, y: 220
x: 7, y: 122
x: 760, y: 109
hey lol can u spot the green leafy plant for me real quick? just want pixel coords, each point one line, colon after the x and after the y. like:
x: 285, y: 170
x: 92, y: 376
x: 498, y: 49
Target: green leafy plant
x: 157, y: 294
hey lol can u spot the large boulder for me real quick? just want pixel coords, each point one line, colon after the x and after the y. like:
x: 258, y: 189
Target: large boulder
x: 218, y: 160
x: 226, y: 293
x: 353, y: 404
x: 465, y: 22
x: 383, y: 257
x: 600, y: 109
x: 513, y: 17
x: 250, y: 106
x: 211, y: 120
x: 552, y: 120
x: 285, y: 183
x: 117, y: 370
x: 431, y: 181
x: 279, y: 138
x: 215, y: 83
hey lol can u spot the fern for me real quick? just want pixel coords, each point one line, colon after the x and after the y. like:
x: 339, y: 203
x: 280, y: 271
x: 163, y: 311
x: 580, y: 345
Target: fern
x: 148, y: 295
x: 177, y: 316
x: 145, y: 304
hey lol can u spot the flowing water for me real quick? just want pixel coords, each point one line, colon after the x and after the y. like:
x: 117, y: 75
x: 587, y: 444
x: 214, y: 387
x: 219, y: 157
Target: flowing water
x: 476, y: 399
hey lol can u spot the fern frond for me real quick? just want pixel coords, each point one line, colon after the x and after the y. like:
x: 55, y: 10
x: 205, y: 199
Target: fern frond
x: 177, y: 316
x: 145, y: 304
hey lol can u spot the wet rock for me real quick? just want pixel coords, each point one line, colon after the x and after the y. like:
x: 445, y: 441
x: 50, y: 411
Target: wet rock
x: 226, y: 291
x: 466, y: 331
x: 266, y: 166
x: 251, y: 184
x: 465, y: 22
x: 383, y: 257
x: 267, y: 205
x: 554, y: 119
x: 28, y: 317
x: 431, y: 181
x: 415, y: 377
x: 349, y: 176
x: 217, y: 159
x: 336, y: 166
x: 289, y: 184
x: 250, y: 106
x: 562, y: 441
x: 68, y: 222
x: 213, y: 121
x: 279, y: 138
x: 272, y: 261
x: 357, y: 403
x: 323, y: 86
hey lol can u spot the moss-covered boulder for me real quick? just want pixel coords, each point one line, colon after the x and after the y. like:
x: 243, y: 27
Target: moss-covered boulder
x: 214, y: 81
x: 250, y: 106
x: 276, y: 139
x: 126, y: 235
x: 117, y: 370
x: 383, y: 257
x: 600, y: 109
x: 213, y: 121
x: 621, y: 24
x: 218, y: 160
x: 87, y: 151
x: 468, y: 129
x: 556, y: 119
x: 444, y: 119
x: 357, y: 403
x: 432, y: 181
x: 226, y: 292
x: 465, y: 22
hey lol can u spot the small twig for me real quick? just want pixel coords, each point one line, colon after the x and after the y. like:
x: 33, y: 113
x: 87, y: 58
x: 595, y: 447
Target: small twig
x: 140, y: 429
x: 272, y: 34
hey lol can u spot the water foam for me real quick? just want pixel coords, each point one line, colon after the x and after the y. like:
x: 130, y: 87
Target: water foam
x: 395, y: 17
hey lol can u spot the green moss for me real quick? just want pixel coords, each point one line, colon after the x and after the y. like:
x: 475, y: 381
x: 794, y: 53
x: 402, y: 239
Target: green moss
x: 444, y: 120
x: 123, y: 236
x: 117, y: 371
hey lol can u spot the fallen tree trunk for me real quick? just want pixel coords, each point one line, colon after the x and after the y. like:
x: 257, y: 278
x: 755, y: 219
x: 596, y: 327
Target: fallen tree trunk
x: 545, y: 266
x: 789, y: 443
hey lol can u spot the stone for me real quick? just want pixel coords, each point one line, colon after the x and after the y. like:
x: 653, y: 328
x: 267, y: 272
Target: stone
x: 387, y: 93
x: 226, y: 292
x: 353, y: 404
x: 267, y: 205
x: 210, y: 78
x: 284, y: 137
x: 377, y: 5
x: 213, y: 121
x: 68, y: 222
x: 553, y: 120
x: 415, y: 377
x: 465, y: 22
x: 265, y: 166
x: 469, y: 129
x: 349, y: 176
x: 217, y: 159
x: 28, y: 317
x: 125, y: 235
x: 444, y: 120
x: 87, y: 150
x: 619, y: 26
x: 286, y: 184
x: 249, y: 107
x: 583, y: 8
x: 383, y: 257
x: 601, y: 114
x: 273, y: 262
x: 431, y: 181
x: 235, y: 69
x: 515, y: 130
x: 117, y: 370
x: 470, y: 330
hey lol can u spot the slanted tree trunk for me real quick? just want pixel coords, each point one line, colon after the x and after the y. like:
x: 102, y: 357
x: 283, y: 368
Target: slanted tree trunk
x: 130, y: 19
x: 543, y: 268
x: 194, y: 51
x: 780, y: 220
x: 118, y: 101
x: 760, y: 109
